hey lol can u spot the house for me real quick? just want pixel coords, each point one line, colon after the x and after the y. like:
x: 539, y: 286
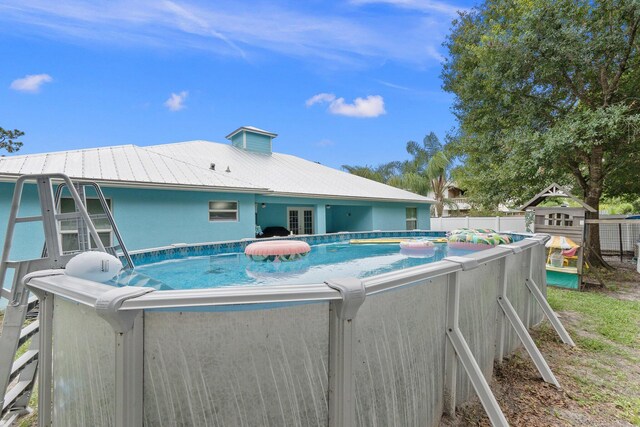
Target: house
x: 200, y: 191
x: 458, y: 204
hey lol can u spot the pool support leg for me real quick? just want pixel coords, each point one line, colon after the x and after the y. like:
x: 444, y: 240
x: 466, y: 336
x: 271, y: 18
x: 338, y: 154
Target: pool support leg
x: 459, y: 351
x: 544, y: 305
x: 519, y: 327
x: 342, y: 313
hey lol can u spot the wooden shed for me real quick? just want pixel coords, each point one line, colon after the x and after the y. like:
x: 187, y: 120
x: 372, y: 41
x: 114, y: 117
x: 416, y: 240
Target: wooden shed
x: 564, y: 221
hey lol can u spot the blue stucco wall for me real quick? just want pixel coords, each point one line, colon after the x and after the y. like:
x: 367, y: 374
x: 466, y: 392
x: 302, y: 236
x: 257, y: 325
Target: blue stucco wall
x: 272, y: 215
x: 28, y: 237
x: 393, y: 216
x: 349, y: 218
x: 146, y: 218
x: 151, y: 217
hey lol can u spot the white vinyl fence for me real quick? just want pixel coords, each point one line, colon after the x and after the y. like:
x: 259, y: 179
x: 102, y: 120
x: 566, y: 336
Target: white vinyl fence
x: 498, y: 223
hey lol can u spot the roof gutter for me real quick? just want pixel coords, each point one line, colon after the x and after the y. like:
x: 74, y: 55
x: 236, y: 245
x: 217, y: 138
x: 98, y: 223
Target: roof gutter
x: 257, y: 190
x: 424, y: 200
x: 153, y: 185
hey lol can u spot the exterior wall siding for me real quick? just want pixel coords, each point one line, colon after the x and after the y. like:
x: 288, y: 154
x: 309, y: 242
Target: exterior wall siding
x: 258, y: 143
x: 180, y: 216
x: 237, y: 140
x: 154, y: 217
x: 29, y: 236
x: 350, y: 218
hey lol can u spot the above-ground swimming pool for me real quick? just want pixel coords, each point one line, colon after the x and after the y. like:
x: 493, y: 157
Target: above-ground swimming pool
x: 400, y: 342
x: 324, y: 260
x: 212, y: 269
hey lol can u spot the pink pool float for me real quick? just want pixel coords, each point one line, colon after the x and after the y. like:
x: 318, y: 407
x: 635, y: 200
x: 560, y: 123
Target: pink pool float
x: 277, y: 250
x: 422, y: 248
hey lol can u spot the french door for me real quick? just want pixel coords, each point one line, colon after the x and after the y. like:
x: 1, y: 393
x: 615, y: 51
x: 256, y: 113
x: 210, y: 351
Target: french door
x: 300, y: 220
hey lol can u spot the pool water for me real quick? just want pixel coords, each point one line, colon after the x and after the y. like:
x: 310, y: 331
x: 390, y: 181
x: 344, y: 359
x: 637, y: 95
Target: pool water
x: 323, y: 262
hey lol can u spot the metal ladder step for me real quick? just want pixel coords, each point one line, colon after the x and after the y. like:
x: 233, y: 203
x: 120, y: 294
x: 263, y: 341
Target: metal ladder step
x: 28, y: 331
x: 22, y: 361
x: 10, y: 418
x: 15, y: 392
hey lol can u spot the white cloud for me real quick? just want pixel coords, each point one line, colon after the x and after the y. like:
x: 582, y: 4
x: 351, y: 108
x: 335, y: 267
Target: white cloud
x: 327, y: 35
x: 31, y: 82
x: 176, y: 101
x: 420, y: 5
x: 371, y: 106
x: 392, y: 85
x: 321, y: 97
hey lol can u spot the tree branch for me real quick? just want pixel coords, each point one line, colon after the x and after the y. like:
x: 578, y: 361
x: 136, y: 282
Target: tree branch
x: 633, y: 30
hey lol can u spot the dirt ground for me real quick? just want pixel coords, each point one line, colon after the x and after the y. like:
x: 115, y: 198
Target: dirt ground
x: 600, y: 377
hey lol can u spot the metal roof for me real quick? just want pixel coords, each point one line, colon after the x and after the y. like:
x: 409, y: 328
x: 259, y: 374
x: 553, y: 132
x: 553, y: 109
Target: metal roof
x: 123, y: 164
x: 187, y: 164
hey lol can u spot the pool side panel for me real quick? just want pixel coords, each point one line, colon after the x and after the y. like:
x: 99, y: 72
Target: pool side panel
x: 265, y: 367
x: 398, y: 356
x: 478, y: 311
x: 84, y: 366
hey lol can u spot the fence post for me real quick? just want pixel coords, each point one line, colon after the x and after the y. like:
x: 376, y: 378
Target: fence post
x: 620, y: 237
x: 468, y: 226
x: 497, y: 223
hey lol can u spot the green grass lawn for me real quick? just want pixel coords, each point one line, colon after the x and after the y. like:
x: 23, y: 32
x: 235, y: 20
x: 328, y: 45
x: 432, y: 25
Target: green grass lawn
x: 605, y: 366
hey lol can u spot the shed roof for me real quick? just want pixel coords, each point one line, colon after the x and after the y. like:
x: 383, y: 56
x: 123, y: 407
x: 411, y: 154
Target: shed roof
x: 187, y: 164
x: 554, y: 190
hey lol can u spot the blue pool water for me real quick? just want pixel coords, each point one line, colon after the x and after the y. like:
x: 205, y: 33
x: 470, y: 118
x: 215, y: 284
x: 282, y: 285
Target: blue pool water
x: 323, y: 262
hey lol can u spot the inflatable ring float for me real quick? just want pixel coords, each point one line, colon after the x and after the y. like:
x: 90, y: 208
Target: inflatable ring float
x: 439, y: 240
x: 470, y: 240
x: 417, y: 248
x: 417, y: 245
x: 277, y: 250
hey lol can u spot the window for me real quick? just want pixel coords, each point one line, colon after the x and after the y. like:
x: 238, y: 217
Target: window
x: 69, y: 227
x: 559, y: 219
x: 412, y: 218
x: 223, y: 211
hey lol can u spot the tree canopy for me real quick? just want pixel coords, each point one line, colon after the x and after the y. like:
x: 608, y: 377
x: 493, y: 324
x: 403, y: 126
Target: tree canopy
x: 9, y: 140
x: 546, y: 90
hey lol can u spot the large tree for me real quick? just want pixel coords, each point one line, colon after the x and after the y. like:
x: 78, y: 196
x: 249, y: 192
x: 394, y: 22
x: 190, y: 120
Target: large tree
x: 9, y: 140
x: 547, y: 90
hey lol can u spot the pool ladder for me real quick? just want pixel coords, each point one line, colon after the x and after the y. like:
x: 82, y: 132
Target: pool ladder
x: 20, y: 323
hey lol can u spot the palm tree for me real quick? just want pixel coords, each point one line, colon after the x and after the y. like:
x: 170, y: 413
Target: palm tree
x: 427, y: 173
x: 385, y: 173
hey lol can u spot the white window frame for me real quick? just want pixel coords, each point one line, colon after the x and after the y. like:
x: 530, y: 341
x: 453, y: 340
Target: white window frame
x: 236, y: 210
x: 109, y: 230
x: 415, y: 219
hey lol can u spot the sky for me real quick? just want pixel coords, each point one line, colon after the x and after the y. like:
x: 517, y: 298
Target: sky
x: 340, y: 82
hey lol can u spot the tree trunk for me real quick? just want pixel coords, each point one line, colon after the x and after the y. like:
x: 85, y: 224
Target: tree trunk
x: 439, y: 208
x: 593, y: 192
